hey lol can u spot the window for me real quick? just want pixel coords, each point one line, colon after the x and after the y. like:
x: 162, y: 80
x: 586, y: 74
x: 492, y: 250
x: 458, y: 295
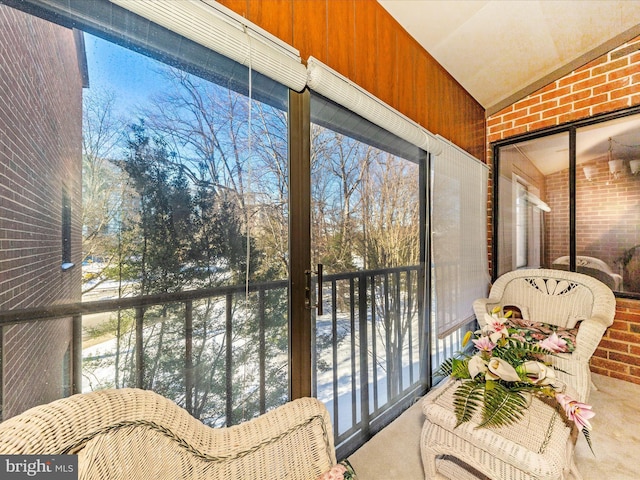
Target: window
x: 567, y: 198
x: 66, y: 230
x: 367, y: 220
x: 521, y: 225
x: 173, y: 161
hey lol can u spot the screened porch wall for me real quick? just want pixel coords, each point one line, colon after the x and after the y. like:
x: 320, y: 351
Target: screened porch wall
x: 362, y: 41
x: 605, y: 85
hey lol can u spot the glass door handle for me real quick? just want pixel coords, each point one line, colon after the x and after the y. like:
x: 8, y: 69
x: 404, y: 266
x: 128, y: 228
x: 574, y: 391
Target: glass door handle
x: 308, y: 303
x: 319, y: 282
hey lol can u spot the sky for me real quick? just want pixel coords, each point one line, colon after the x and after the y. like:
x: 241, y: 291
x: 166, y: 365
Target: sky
x: 131, y: 76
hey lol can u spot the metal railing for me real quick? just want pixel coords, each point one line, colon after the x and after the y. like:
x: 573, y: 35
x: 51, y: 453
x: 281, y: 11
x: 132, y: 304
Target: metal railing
x: 367, y: 349
x: 370, y: 343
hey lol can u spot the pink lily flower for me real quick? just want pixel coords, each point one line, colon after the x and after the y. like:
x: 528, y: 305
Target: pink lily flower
x: 554, y: 343
x: 336, y: 473
x: 484, y: 344
x: 578, y: 412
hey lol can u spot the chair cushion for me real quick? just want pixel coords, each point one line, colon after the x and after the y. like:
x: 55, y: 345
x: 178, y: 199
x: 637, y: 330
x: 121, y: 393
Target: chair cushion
x: 534, y: 332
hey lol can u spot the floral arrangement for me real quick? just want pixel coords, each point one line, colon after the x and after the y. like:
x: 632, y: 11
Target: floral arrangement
x: 341, y: 471
x: 503, y: 367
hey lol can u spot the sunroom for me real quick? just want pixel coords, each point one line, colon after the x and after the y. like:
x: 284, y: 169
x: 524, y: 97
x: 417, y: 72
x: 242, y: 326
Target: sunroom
x: 238, y: 204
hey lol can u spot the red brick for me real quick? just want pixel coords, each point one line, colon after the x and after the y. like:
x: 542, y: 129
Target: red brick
x: 619, y: 325
x: 623, y: 72
x: 609, y: 86
x: 611, y: 106
x: 492, y: 121
x: 575, y: 115
x: 556, y: 93
x: 514, y: 131
x: 627, y: 378
x: 528, y: 119
x: 577, y: 76
x: 556, y: 112
x: 589, y: 83
x: 600, y: 371
x: 575, y: 96
x: 538, y: 107
x: 522, y: 112
x: 625, y: 92
x: 594, y: 63
x: 547, y: 88
x: 609, y: 66
x: 504, y: 111
x: 527, y: 102
x: 549, y: 122
x: 628, y: 359
x: 614, y: 345
x: 590, y: 101
x: 610, y: 365
x: 624, y: 337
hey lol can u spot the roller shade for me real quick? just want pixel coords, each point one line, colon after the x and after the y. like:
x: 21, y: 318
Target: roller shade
x: 334, y: 86
x: 216, y: 27
x: 458, y: 236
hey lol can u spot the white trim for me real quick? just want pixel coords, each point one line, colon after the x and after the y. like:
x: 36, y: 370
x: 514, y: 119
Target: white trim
x: 214, y: 26
x: 334, y: 86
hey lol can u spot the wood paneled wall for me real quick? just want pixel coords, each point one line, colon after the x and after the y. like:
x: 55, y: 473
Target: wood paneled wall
x: 362, y: 41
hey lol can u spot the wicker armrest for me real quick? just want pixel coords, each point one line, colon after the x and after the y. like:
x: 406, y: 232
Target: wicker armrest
x: 137, y: 434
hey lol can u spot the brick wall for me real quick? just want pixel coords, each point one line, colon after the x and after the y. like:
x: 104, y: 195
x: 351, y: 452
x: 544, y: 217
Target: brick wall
x: 607, y: 84
x: 40, y: 155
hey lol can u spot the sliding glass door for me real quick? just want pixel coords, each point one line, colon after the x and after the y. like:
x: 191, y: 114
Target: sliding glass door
x: 366, y: 224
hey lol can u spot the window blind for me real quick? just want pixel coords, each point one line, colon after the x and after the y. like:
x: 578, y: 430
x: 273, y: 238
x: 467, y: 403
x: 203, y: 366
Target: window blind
x: 334, y: 86
x: 458, y: 236
x: 216, y: 27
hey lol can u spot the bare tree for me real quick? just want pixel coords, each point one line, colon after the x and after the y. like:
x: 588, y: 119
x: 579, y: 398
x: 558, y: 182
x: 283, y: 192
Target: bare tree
x: 102, y: 185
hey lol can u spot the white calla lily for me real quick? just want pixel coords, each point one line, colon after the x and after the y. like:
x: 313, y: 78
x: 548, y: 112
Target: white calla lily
x: 476, y: 365
x: 539, y: 373
x: 502, y: 369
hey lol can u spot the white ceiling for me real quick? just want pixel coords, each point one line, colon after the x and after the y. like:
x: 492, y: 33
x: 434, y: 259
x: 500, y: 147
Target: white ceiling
x: 502, y: 50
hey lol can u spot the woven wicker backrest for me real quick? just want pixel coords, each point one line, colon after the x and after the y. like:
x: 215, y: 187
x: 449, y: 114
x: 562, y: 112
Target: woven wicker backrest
x: 554, y: 296
x: 137, y: 434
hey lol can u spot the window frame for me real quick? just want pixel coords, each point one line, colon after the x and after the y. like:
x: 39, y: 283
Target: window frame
x: 570, y: 128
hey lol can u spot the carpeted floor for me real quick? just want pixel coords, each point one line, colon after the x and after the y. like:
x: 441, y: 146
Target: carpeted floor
x: 394, y: 453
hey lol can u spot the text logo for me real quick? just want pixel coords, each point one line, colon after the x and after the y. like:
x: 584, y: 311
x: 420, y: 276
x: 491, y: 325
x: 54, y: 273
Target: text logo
x: 39, y: 467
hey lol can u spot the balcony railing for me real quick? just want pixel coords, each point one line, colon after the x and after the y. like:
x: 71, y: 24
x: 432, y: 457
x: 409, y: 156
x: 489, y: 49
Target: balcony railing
x: 222, y: 353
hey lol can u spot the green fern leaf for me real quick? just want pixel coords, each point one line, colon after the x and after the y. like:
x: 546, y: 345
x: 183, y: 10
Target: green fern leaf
x: 460, y: 368
x: 445, y: 368
x: 502, y: 407
x: 466, y: 400
x: 516, y: 352
x: 587, y: 436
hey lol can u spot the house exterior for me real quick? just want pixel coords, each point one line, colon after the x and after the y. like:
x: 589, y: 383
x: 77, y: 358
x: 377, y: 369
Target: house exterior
x: 35, y: 202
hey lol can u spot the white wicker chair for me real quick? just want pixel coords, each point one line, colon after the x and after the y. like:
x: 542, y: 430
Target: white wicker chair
x: 136, y: 434
x: 559, y: 298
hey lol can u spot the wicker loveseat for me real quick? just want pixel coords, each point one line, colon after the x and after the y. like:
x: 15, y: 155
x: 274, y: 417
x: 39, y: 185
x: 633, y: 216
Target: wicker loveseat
x: 133, y: 434
x: 561, y: 298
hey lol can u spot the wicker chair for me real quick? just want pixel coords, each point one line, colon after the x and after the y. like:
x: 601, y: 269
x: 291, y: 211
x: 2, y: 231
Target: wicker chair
x: 137, y: 434
x: 559, y: 298
x: 538, y: 447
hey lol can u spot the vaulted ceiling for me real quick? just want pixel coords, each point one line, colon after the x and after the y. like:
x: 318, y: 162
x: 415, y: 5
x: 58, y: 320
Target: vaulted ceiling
x: 502, y: 50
